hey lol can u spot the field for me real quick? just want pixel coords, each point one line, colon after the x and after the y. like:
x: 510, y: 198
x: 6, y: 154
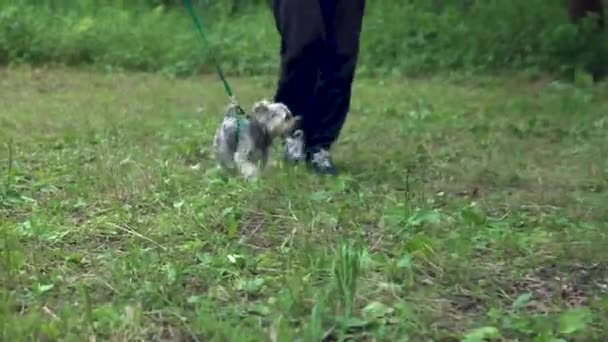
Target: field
x: 467, y: 207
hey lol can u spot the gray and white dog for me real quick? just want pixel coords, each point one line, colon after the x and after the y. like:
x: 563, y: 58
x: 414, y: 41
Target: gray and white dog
x: 243, y: 144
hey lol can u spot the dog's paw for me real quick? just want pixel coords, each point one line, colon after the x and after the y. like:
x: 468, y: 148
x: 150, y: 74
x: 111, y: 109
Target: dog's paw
x: 251, y: 177
x: 249, y: 172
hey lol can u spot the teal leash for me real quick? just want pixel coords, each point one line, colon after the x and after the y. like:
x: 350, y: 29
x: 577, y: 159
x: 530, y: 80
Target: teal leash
x: 227, y: 88
x: 199, y: 28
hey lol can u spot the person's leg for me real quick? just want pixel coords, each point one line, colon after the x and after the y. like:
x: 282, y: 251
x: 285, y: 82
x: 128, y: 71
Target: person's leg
x: 343, y: 19
x: 300, y: 25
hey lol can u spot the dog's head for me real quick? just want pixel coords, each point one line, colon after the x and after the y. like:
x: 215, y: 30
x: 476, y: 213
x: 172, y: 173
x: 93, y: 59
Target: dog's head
x: 275, y: 116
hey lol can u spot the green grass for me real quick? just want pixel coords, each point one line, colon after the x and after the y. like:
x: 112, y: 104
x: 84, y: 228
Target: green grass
x: 465, y: 207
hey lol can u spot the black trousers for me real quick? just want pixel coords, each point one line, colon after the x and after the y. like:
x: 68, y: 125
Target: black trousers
x: 319, y: 50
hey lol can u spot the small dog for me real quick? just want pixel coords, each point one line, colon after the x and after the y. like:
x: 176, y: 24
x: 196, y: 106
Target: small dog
x: 243, y: 144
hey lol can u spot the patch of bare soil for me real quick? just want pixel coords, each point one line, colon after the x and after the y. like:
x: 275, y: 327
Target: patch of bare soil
x: 251, y: 231
x: 552, y: 287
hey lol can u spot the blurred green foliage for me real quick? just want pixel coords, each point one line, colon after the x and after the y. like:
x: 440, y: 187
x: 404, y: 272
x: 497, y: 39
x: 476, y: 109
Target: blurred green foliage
x: 400, y: 37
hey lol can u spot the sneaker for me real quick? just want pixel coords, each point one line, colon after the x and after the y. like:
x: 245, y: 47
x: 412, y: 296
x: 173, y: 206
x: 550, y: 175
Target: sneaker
x: 321, y: 162
x: 294, y: 147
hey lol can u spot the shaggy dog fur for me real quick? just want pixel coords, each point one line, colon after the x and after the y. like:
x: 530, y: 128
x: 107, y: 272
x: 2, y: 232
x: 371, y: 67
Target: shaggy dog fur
x: 243, y: 144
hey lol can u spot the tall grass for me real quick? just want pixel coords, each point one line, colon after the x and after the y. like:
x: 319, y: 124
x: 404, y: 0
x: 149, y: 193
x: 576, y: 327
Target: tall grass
x: 399, y: 37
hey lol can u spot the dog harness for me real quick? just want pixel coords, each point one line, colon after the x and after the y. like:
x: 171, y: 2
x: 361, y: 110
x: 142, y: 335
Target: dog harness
x: 240, y: 122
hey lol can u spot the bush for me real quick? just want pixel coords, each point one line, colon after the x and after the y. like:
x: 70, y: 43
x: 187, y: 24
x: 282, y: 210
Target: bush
x: 399, y: 37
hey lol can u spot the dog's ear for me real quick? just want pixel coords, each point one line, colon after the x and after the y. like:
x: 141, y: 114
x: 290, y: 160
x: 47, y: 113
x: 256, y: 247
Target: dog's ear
x: 261, y: 106
x: 298, y: 134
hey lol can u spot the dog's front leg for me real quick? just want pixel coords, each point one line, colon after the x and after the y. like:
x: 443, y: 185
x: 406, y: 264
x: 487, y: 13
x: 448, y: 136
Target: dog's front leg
x: 249, y: 170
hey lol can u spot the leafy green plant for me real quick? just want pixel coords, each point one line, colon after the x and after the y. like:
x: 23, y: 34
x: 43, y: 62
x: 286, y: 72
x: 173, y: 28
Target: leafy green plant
x: 346, y: 272
x: 398, y: 38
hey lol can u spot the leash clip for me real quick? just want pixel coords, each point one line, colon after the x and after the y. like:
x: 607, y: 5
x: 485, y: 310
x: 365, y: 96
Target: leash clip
x: 234, y: 102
